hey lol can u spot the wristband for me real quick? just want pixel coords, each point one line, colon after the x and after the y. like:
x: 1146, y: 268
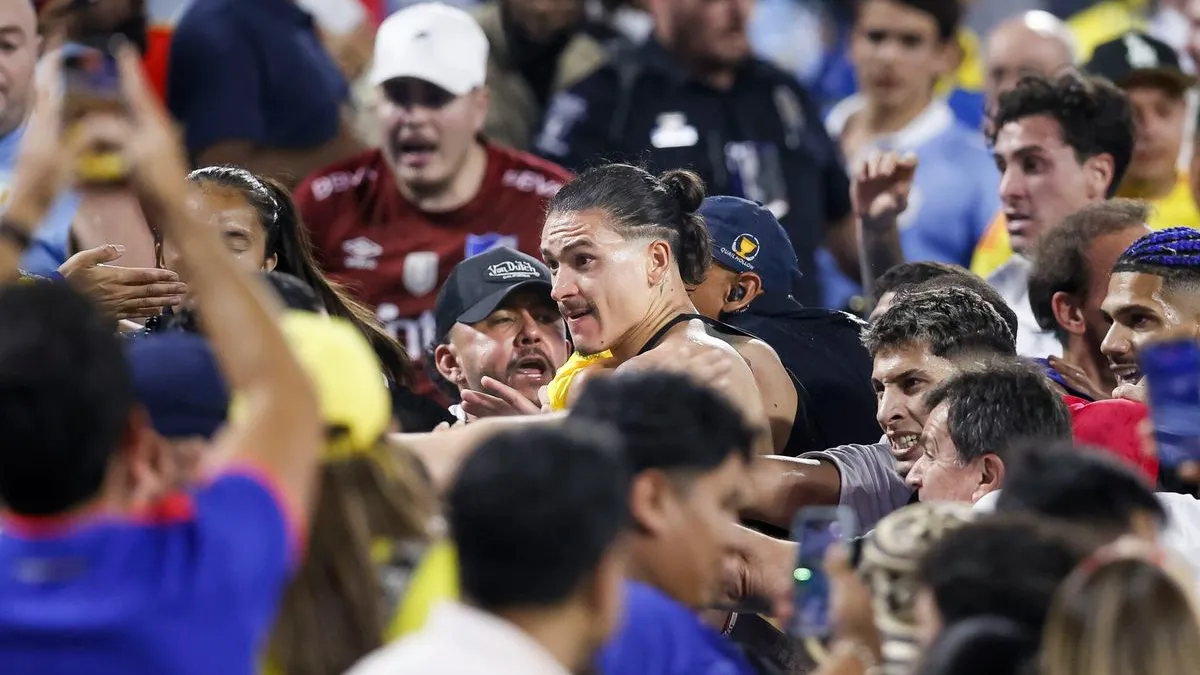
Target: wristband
x: 14, y: 234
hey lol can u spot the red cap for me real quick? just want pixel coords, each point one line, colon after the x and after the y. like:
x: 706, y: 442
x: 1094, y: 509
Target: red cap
x: 1113, y: 426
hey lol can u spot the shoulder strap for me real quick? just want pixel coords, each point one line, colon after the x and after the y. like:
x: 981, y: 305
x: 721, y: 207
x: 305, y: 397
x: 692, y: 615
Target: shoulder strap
x: 713, y: 323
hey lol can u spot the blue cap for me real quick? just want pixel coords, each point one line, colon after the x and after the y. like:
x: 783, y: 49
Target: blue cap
x: 177, y: 381
x: 748, y: 238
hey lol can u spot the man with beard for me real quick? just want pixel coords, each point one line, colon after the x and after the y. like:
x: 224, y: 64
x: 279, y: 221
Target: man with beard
x: 1059, y: 144
x: 391, y: 223
x: 496, y: 321
x: 1068, y: 282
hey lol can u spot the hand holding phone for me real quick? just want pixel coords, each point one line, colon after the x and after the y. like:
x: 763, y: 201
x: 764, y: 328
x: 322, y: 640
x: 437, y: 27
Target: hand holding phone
x: 1172, y: 370
x: 814, y: 530
x: 92, y: 85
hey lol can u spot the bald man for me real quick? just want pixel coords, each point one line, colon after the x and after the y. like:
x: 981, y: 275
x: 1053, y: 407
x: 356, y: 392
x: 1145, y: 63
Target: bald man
x: 1033, y: 42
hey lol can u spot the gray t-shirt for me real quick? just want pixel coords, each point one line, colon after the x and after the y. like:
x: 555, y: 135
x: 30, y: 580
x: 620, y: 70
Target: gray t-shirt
x: 870, y: 484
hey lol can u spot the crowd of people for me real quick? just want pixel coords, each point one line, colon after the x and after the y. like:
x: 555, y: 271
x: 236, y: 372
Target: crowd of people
x: 498, y: 340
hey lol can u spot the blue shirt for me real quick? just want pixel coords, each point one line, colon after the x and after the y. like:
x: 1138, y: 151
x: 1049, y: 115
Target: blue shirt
x: 190, y: 589
x: 955, y: 193
x: 52, y: 242
x: 659, y: 636
x: 253, y: 70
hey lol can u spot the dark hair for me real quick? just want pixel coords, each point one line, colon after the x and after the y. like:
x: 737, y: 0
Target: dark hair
x: 288, y: 241
x: 65, y: 397
x: 953, y: 321
x: 913, y: 273
x: 976, y: 284
x: 993, y: 408
x: 947, y: 13
x: 1081, y: 485
x: 666, y: 422
x: 295, y: 294
x: 1060, y: 256
x: 642, y: 205
x: 1007, y: 566
x: 1173, y: 254
x: 1093, y: 114
x: 983, y: 645
x: 534, y: 510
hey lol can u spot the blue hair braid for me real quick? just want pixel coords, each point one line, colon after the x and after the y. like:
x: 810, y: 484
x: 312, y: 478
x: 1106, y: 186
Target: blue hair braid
x: 1175, y: 248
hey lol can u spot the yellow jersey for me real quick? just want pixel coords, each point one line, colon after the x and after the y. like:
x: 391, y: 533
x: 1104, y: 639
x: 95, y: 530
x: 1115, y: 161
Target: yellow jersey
x: 1105, y: 21
x: 993, y: 249
x: 556, y: 391
x: 1176, y: 209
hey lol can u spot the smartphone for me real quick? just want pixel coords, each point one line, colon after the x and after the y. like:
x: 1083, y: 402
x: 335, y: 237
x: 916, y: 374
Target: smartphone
x: 1172, y: 371
x: 92, y: 84
x: 814, y: 530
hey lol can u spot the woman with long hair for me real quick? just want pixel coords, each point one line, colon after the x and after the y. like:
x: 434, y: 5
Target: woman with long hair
x: 262, y: 228
x: 1122, y: 612
x: 376, y: 559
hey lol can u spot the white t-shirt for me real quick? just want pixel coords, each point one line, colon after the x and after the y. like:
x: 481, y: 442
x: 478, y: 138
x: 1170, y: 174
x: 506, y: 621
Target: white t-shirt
x: 1181, y: 535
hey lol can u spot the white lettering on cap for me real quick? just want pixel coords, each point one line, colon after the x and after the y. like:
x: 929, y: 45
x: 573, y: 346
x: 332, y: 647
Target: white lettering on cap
x: 1141, y: 54
x: 511, y: 269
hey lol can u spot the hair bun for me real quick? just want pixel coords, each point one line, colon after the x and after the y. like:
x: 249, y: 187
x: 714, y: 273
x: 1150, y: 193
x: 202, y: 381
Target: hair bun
x: 685, y: 187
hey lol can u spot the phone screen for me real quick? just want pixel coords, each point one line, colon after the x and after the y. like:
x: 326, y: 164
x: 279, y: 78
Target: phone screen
x: 91, y: 80
x: 92, y: 84
x: 1172, y: 371
x: 815, y: 529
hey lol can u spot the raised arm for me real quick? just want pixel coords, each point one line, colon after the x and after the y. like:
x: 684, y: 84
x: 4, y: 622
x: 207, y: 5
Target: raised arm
x: 281, y: 431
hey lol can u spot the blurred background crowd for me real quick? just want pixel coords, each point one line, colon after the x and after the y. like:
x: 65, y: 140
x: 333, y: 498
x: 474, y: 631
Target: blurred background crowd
x: 600, y: 337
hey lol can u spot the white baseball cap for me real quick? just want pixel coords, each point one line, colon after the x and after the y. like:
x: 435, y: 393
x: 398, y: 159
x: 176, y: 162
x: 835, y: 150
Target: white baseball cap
x: 434, y: 42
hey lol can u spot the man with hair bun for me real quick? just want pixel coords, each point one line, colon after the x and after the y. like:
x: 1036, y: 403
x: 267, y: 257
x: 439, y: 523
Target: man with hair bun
x: 624, y: 246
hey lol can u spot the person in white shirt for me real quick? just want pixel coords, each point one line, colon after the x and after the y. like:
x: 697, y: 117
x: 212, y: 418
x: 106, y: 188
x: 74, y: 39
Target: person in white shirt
x: 537, y: 516
x: 1060, y: 144
x: 1091, y: 490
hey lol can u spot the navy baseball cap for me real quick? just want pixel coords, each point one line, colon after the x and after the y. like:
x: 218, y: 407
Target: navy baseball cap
x: 746, y: 237
x: 177, y: 381
x: 479, y: 284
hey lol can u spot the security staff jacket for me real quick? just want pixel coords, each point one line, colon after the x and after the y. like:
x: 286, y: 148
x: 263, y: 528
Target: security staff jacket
x: 762, y: 139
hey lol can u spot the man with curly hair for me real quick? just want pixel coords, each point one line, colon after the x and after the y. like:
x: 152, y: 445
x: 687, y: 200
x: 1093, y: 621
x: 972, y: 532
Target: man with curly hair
x: 1060, y: 144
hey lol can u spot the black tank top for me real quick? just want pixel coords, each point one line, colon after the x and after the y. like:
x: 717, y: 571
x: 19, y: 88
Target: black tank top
x: 798, y: 439
x: 713, y: 323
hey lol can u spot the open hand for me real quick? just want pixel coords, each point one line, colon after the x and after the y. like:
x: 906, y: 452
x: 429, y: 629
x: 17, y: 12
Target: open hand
x: 1078, y: 380
x: 881, y: 185
x: 123, y: 292
x: 497, y: 400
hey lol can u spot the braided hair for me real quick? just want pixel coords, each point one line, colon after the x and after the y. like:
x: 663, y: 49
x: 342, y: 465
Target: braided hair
x: 1173, y: 254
